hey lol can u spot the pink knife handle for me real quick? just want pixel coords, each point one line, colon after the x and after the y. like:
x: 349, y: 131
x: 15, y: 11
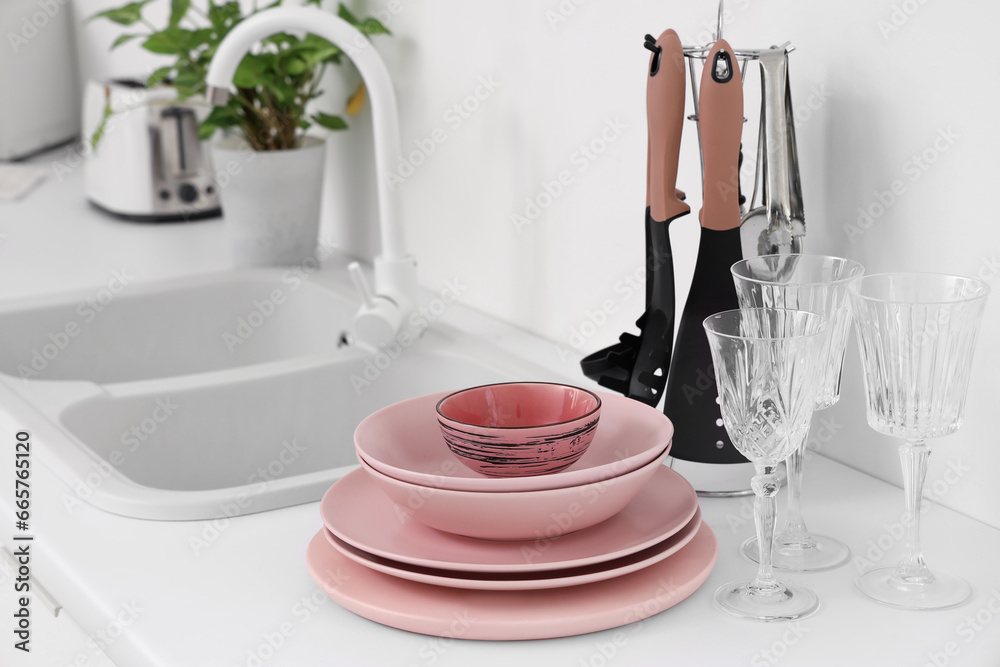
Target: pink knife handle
x: 665, y: 119
x: 720, y: 119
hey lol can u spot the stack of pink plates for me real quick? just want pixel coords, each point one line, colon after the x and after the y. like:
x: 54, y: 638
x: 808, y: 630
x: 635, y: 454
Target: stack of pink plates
x: 558, y: 562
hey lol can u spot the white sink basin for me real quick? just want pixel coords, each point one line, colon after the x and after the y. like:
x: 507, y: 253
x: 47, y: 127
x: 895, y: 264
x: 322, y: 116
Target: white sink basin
x: 172, y: 328
x: 153, y: 410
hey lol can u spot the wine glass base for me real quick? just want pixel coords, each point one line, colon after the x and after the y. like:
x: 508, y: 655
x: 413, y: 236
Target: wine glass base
x: 823, y: 553
x: 792, y: 602
x: 946, y: 591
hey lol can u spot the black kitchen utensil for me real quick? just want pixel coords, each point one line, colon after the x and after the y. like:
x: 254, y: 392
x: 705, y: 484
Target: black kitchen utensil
x: 691, y: 393
x: 637, y: 365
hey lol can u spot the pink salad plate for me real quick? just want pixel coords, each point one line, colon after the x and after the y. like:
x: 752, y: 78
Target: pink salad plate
x: 404, y: 441
x: 516, y: 515
x: 524, y: 581
x: 356, y: 511
x: 512, y: 615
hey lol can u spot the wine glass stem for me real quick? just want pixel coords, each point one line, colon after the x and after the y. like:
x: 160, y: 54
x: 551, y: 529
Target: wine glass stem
x: 795, y: 531
x: 765, y: 486
x: 911, y: 568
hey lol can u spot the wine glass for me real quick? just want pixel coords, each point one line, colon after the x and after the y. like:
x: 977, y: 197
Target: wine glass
x: 818, y: 284
x: 767, y: 363
x: 917, y: 334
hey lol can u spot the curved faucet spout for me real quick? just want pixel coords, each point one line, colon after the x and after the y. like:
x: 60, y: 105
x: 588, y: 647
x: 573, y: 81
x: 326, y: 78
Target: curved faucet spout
x: 395, y: 269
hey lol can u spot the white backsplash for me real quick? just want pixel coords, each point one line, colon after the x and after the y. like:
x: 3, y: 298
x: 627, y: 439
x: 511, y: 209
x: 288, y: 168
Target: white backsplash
x: 536, y: 108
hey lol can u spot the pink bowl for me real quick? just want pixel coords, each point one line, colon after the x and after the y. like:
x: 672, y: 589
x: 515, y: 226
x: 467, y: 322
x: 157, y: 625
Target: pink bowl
x: 516, y: 515
x: 519, y: 429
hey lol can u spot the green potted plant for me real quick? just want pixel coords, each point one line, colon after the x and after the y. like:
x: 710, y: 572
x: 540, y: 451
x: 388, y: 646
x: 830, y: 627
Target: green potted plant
x: 268, y: 167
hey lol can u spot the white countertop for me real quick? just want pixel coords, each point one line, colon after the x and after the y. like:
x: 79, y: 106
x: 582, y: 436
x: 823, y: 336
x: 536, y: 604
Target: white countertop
x: 217, y: 607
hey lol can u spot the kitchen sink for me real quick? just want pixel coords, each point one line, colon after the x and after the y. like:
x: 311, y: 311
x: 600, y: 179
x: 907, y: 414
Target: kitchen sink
x: 125, y: 333
x: 176, y: 401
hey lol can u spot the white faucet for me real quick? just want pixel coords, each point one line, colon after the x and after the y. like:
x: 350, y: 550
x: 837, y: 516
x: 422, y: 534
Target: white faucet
x: 387, y: 311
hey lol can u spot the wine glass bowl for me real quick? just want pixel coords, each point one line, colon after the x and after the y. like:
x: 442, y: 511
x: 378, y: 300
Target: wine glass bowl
x: 917, y: 336
x: 766, y: 362
x: 818, y: 284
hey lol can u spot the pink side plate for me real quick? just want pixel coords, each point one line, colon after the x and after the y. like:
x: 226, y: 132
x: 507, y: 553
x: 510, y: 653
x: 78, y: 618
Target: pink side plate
x: 357, y: 512
x: 512, y: 615
x: 404, y: 441
x: 524, y: 581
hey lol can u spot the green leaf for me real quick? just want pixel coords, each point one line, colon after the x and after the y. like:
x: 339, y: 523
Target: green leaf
x: 344, y: 13
x: 315, y: 50
x: 190, y: 79
x: 102, y: 126
x: 369, y: 26
x: 178, y: 10
x: 225, y: 15
x: 254, y: 70
x: 220, y: 117
x: 329, y: 122
x: 158, y: 76
x: 372, y: 26
x: 295, y: 66
x: 130, y: 14
x: 172, y: 41
x: 123, y: 39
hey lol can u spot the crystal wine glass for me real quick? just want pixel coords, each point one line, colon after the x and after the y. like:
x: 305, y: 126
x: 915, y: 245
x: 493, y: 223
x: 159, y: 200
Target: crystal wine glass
x: 767, y: 363
x: 917, y: 334
x: 818, y: 284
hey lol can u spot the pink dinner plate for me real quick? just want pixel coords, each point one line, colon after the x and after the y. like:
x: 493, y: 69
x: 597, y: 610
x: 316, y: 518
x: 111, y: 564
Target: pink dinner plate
x: 356, y: 511
x: 524, y: 581
x: 512, y: 615
x: 404, y: 441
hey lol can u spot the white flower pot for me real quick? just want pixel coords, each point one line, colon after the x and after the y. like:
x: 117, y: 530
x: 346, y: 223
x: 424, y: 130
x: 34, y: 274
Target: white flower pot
x: 270, y: 200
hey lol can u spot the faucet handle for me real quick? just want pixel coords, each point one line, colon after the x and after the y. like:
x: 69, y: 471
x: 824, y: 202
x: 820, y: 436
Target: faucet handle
x: 379, y: 318
x: 361, y: 284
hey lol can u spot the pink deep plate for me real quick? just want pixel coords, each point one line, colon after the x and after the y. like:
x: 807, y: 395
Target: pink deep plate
x: 404, y: 441
x: 524, y: 581
x: 512, y: 615
x: 357, y: 512
x: 516, y: 515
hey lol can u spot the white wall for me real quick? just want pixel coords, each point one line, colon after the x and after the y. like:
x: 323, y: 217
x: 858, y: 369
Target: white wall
x: 883, y: 85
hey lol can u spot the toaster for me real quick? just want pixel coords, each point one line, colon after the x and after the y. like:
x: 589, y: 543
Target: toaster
x: 148, y: 163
